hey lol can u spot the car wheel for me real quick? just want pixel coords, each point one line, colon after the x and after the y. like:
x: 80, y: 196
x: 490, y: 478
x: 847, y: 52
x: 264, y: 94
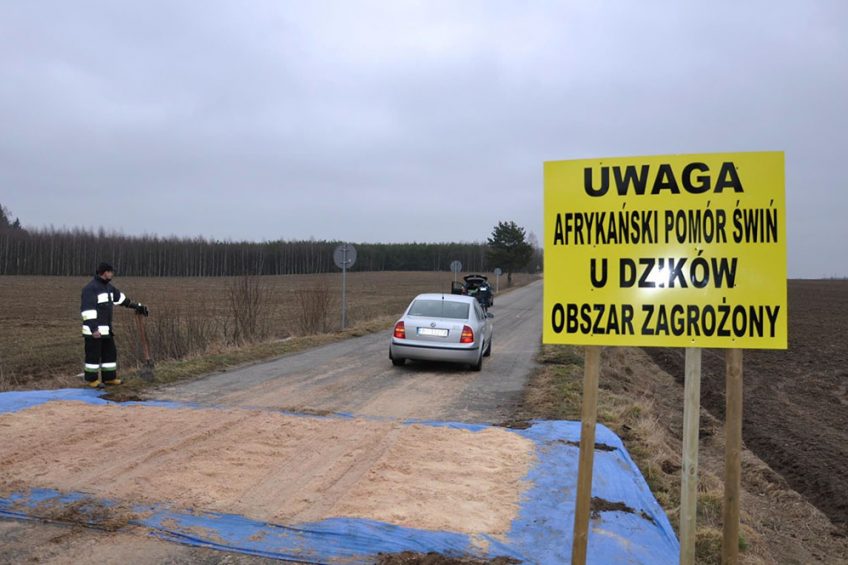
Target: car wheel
x: 479, y: 364
x: 397, y: 362
x: 488, y: 351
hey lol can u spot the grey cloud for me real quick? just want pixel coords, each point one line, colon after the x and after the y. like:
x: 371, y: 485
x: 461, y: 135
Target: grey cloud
x: 376, y: 121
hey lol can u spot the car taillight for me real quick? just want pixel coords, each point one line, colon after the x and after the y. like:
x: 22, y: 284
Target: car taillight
x: 400, y: 331
x: 467, y: 335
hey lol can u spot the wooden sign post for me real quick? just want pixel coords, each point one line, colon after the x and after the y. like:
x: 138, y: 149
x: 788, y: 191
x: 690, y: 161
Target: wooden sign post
x: 689, y: 474
x: 732, y: 456
x: 671, y: 251
x: 588, y: 417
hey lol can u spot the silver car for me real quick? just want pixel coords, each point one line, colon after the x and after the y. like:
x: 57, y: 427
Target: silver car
x: 443, y: 327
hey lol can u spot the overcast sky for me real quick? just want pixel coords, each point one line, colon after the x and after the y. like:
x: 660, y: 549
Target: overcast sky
x: 404, y: 121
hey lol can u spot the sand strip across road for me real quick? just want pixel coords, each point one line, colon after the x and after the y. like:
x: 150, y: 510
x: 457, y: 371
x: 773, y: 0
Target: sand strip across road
x: 270, y: 466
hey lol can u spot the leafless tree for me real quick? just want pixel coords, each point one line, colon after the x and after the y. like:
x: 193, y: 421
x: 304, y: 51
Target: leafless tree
x: 314, y: 306
x: 245, y: 296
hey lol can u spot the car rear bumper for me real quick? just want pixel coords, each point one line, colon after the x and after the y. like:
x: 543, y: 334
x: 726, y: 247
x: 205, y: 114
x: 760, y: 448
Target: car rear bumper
x: 428, y: 352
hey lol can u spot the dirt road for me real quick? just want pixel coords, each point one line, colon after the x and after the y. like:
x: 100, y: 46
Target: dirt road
x: 354, y: 376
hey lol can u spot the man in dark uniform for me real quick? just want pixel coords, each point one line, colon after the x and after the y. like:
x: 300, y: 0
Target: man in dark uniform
x: 101, y: 356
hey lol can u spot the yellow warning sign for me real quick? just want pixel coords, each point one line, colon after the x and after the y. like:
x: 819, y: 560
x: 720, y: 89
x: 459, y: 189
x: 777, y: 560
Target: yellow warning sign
x: 672, y: 250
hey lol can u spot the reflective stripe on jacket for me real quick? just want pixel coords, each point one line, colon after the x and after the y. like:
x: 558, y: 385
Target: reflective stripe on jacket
x: 98, y: 296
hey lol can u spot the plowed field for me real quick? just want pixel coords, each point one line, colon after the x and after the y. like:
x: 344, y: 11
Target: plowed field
x: 795, y: 401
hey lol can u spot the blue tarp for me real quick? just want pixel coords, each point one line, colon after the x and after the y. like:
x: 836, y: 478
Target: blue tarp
x: 541, y: 533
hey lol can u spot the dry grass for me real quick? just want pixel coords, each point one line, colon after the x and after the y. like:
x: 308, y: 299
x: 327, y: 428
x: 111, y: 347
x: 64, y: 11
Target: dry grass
x: 40, y: 344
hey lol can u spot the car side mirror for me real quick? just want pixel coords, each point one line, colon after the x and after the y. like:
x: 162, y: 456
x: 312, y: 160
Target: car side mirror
x: 489, y: 315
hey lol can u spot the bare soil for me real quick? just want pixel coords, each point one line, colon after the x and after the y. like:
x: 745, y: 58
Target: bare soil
x: 410, y: 558
x: 58, y: 543
x: 795, y: 414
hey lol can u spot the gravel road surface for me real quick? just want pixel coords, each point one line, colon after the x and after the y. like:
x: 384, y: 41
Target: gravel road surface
x: 355, y: 376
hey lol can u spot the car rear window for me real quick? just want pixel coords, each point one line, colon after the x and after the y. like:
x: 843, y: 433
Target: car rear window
x: 439, y: 309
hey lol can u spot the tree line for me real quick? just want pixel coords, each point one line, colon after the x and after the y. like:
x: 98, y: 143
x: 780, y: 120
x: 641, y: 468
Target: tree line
x: 77, y: 252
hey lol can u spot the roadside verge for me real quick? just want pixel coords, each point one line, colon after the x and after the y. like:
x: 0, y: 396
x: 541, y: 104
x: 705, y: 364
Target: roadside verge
x: 644, y: 405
